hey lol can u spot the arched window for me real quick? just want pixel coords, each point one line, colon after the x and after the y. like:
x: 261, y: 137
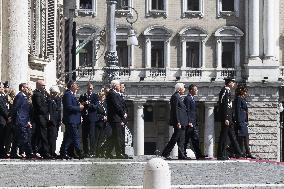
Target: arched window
x: 157, y: 47
x: 192, y: 41
x: 228, y: 47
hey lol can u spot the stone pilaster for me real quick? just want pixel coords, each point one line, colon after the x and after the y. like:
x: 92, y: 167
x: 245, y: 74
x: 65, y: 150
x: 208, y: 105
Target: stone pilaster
x: 138, y: 138
x: 18, y: 43
x: 209, y: 132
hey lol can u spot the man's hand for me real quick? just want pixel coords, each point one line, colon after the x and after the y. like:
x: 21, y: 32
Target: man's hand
x: 81, y: 107
x: 125, y: 116
x: 227, y: 122
x: 29, y: 125
x: 178, y: 125
x: 190, y: 125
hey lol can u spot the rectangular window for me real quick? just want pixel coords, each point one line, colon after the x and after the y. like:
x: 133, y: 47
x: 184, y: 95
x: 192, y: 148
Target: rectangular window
x: 228, y: 54
x: 86, y: 54
x: 193, y: 5
x: 86, y: 4
x: 228, y: 5
x: 192, y: 54
x: 157, y: 54
x: 158, y: 5
x: 122, y: 53
x: 122, y: 5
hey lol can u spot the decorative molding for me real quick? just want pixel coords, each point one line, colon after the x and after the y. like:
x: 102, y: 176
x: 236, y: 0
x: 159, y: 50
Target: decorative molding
x: 221, y: 13
x: 191, y: 13
x: 156, y: 13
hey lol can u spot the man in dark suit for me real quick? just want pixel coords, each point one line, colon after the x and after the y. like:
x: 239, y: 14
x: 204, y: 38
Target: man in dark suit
x: 227, y: 125
x: 72, y: 120
x: 88, y: 114
x: 115, y: 114
x: 3, y: 119
x: 54, y: 110
x: 40, y: 108
x: 21, y: 116
x: 191, y: 132
x: 179, y: 120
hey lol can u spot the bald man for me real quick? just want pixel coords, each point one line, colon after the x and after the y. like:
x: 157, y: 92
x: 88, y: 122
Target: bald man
x: 40, y: 109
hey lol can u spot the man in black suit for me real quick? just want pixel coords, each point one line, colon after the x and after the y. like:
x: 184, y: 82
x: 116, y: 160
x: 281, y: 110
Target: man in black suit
x: 3, y: 119
x: 227, y: 125
x: 40, y: 109
x: 89, y: 116
x: 115, y: 114
x: 191, y: 132
x: 54, y: 110
x: 179, y: 120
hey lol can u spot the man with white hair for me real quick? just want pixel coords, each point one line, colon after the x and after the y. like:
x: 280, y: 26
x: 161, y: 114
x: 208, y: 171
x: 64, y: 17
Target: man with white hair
x: 115, y: 114
x: 179, y: 120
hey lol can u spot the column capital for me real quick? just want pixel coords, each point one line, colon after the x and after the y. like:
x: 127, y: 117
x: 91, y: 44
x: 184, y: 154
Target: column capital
x: 139, y: 103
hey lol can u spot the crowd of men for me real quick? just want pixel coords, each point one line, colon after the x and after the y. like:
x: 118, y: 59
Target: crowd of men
x: 234, y: 120
x: 30, y: 120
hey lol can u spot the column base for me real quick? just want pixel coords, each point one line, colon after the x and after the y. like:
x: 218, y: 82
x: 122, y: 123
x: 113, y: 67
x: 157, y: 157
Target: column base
x: 266, y: 70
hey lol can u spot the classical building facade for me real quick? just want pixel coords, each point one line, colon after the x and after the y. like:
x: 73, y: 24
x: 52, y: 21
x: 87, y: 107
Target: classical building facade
x: 195, y: 42
x: 30, y: 41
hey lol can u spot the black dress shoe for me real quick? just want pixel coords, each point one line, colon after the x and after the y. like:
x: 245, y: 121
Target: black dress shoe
x: 46, y: 156
x: 65, y: 157
x: 15, y: 156
x: 184, y: 158
x: 223, y: 158
x: 127, y: 157
x: 120, y: 156
x: 250, y: 156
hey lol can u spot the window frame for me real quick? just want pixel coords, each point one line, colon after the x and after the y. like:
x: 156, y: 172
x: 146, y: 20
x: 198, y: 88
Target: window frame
x: 228, y: 34
x: 92, y: 11
x: 193, y: 34
x: 122, y: 12
x: 221, y: 13
x: 190, y: 13
x: 156, y: 13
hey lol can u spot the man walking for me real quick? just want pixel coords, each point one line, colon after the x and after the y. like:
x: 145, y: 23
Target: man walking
x: 72, y: 120
x: 227, y: 126
x: 179, y: 120
x: 191, y: 132
x: 40, y: 109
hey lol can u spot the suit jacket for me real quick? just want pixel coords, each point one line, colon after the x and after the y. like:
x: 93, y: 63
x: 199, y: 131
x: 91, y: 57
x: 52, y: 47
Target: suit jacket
x: 71, y: 109
x: 21, y: 110
x: 191, y: 109
x: 241, y: 110
x: 226, y: 107
x: 101, y: 111
x: 40, y: 107
x: 178, y: 112
x: 115, y: 110
x: 4, y: 112
x: 54, y: 110
x: 124, y: 106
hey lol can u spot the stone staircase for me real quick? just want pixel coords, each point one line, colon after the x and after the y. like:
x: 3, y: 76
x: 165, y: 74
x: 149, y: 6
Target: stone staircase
x: 101, y: 173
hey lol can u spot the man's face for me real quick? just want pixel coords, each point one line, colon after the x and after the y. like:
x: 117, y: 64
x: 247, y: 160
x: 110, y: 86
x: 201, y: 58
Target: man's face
x: 231, y: 84
x: 194, y: 91
x: 117, y: 87
x: 25, y: 89
x: 122, y: 88
x: 181, y: 91
x: 75, y: 87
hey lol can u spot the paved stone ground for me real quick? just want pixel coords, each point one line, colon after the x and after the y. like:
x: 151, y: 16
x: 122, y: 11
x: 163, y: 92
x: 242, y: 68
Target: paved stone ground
x: 101, y: 173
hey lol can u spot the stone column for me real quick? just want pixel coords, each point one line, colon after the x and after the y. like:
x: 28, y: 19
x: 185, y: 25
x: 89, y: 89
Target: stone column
x: 219, y: 54
x: 183, y: 46
x: 138, y: 138
x: 148, y: 53
x: 209, y: 134
x: 269, y: 24
x: 202, y: 54
x: 254, y: 28
x: 131, y: 56
x: 167, y: 53
x: 18, y: 67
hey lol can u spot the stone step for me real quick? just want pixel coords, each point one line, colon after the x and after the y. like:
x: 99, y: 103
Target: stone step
x: 101, y: 173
